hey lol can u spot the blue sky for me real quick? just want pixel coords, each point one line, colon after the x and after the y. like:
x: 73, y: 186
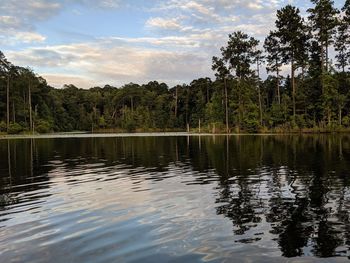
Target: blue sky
x: 97, y: 42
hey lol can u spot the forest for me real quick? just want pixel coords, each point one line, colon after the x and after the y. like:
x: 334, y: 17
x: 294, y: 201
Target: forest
x: 314, y: 95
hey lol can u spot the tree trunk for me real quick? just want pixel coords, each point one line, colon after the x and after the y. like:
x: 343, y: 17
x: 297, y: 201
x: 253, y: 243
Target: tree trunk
x: 340, y: 115
x: 199, y: 125
x: 94, y: 108
x: 187, y: 117
x: 132, y: 103
x: 176, y: 102
x: 13, y: 112
x: 259, y: 93
x: 326, y: 56
x: 24, y: 108
x: 226, y: 106
x: 293, y: 88
x: 8, y: 103
x: 30, y: 106
x: 260, y: 107
x: 207, y: 91
x: 278, y: 87
x: 322, y: 67
x: 239, y: 107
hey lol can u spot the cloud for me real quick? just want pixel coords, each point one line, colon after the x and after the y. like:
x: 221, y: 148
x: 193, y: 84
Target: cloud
x: 29, y: 37
x: 10, y: 22
x: 163, y: 23
x: 29, y: 11
x: 215, y: 15
x: 97, y: 3
x: 102, y: 62
x: 18, y: 19
x: 59, y: 80
x: 23, y: 37
x: 178, y: 40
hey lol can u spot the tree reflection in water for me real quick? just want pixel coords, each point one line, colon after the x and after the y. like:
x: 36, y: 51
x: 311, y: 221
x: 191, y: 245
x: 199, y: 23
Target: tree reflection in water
x: 290, y: 189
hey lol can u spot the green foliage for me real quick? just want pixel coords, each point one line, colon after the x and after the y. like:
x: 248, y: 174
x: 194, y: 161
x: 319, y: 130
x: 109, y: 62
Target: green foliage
x: 214, y: 110
x: 240, y: 53
x: 330, y: 87
x: 277, y: 116
x: 324, y: 20
x: 15, y: 128
x: 3, y: 127
x: 43, y: 126
x: 346, y: 121
x: 313, y: 96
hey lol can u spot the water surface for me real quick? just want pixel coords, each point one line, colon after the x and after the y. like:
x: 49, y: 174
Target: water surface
x: 175, y: 199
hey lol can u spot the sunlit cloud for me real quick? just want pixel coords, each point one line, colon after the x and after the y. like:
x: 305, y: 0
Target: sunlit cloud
x: 170, y: 40
x: 117, y: 66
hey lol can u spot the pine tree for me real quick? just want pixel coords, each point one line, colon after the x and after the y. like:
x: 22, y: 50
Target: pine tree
x: 240, y: 54
x: 291, y: 33
x: 6, y: 70
x: 342, y: 46
x: 323, y: 17
x: 222, y: 72
x: 274, y: 59
x: 342, y: 40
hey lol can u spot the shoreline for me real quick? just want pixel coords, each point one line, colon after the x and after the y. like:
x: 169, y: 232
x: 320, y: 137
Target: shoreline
x: 154, y: 134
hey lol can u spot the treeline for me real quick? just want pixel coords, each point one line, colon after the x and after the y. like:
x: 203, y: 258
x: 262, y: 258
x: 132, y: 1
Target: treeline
x: 313, y: 96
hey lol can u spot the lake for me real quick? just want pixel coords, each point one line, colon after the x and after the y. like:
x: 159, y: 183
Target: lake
x: 175, y: 199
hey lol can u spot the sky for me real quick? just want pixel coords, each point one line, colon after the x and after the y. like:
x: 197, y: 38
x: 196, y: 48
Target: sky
x: 96, y: 42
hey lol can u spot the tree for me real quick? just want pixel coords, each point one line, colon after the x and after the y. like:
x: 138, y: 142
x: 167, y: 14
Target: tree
x: 291, y: 33
x: 31, y: 81
x: 323, y: 17
x: 330, y: 96
x: 239, y: 54
x: 259, y: 59
x: 342, y: 41
x: 274, y: 59
x: 222, y: 72
x: 6, y: 70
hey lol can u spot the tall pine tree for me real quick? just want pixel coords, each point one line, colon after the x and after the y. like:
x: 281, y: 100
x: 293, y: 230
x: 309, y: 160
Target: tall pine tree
x: 291, y: 33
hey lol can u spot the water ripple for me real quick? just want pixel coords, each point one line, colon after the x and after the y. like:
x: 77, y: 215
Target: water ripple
x: 172, y: 199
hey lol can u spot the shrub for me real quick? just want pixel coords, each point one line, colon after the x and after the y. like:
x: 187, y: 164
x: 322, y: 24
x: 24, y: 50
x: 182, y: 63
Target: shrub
x: 43, y: 127
x: 15, y: 128
x: 346, y: 121
x: 130, y: 125
x: 3, y: 127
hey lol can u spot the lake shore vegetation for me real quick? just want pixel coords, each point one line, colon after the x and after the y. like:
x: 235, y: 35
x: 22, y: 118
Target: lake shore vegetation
x: 306, y: 88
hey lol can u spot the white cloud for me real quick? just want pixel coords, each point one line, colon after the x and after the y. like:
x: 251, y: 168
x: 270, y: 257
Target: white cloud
x: 15, y: 37
x: 59, y: 80
x: 98, y: 3
x: 184, y: 36
x: 163, y: 23
x: 29, y: 37
x: 29, y: 11
x: 18, y: 19
x: 90, y: 64
x: 255, y: 6
x: 10, y: 22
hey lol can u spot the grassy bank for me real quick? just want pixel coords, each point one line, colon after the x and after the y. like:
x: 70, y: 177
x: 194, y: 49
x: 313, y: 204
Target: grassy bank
x: 203, y: 130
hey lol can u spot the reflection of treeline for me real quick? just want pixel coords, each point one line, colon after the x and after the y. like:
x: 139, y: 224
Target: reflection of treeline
x: 236, y: 155
x: 314, y: 96
x: 299, y: 185
x: 296, y: 188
